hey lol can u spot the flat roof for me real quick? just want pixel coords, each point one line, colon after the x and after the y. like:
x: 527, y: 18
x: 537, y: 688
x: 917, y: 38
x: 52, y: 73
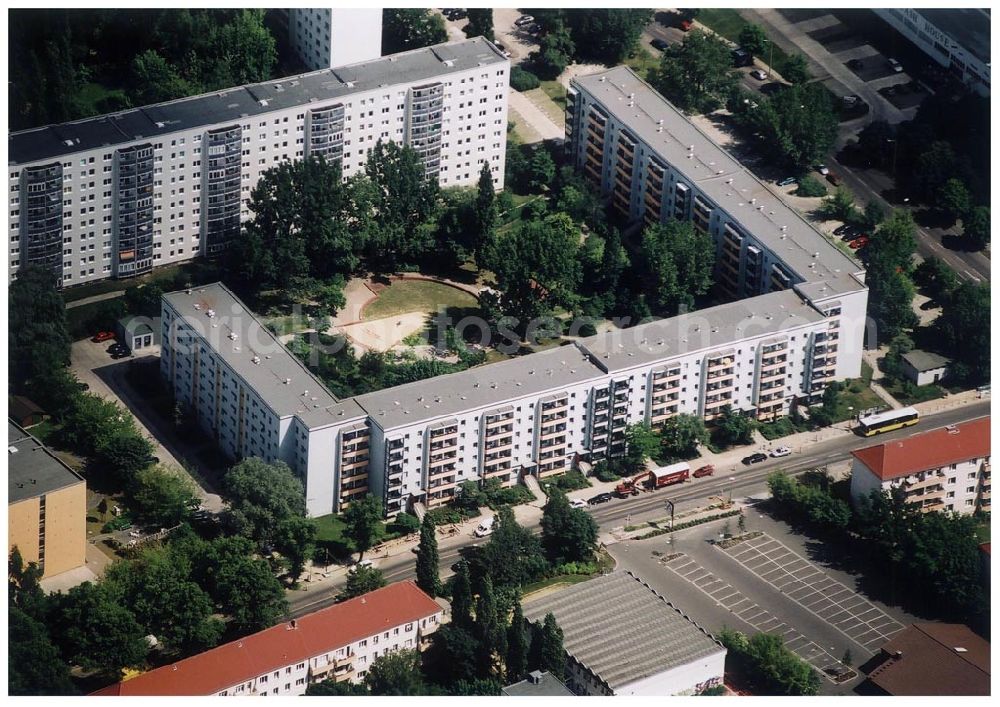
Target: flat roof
x: 236, y: 104
x: 969, y: 27
x: 667, y: 131
x: 484, y: 386
x: 538, y: 684
x: 705, y: 329
x: 621, y: 630
x: 32, y: 469
x: 258, y: 357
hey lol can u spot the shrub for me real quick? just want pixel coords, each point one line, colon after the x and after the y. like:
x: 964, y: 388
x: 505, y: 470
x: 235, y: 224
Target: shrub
x: 447, y: 515
x: 810, y: 186
x: 572, y: 480
x: 604, y: 472
x: 405, y: 524
x: 522, y: 80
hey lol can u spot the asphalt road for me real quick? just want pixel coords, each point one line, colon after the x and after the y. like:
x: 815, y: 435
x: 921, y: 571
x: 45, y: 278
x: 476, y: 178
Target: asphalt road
x: 745, y: 481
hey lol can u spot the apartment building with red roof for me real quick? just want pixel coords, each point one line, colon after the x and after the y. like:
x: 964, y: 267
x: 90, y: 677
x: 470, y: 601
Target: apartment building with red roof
x: 339, y: 642
x: 945, y: 469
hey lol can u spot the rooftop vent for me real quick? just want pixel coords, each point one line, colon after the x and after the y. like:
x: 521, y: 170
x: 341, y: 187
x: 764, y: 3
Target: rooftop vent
x: 160, y: 124
x: 287, y: 381
x: 535, y: 677
x: 196, y: 305
x: 233, y: 336
x: 263, y: 101
x: 256, y: 359
x: 952, y: 429
x: 210, y: 313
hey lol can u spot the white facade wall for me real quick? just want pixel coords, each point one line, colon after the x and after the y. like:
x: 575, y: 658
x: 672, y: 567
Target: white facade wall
x: 960, y: 483
x: 324, y: 37
x: 690, y: 679
x: 474, y: 130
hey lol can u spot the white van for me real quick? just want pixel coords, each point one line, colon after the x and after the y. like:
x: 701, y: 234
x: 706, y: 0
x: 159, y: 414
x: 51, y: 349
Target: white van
x: 485, y: 527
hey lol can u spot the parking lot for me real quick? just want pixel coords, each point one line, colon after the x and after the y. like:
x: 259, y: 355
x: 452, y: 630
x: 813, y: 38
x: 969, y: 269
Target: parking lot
x: 804, y: 583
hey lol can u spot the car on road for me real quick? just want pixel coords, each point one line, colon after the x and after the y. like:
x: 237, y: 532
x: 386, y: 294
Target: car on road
x: 102, y: 336
x: 858, y: 243
x: 758, y: 74
x: 577, y: 503
x: 599, y: 498
x: 787, y: 181
x: 895, y: 66
x: 778, y: 452
x: 833, y: 178
x: 524, y: 20
x: 659, y: 44
x: 362, y: 563
x: 823, y: 169
x: 755, y: 458
x: 701, y: 471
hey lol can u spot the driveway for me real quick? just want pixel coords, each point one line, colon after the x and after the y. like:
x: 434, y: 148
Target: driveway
x: 518, y: 42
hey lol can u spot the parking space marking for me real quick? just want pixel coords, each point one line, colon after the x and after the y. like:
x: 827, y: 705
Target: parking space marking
x: 726, y: 596
x: 802, y: 582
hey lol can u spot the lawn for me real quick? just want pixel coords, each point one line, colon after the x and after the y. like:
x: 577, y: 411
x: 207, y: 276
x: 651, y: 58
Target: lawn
x: 289, y: 324
x: 91, y: 95
x: 547, y: 99
x: 199, y: 272
x: 556, y: 91
x: 404, y: 296
x: 855, y: 397
x: 554, y: 581
x: 642, y: 62
x: 909, y: 394
x: 983, y: 532
x: 78, y: 319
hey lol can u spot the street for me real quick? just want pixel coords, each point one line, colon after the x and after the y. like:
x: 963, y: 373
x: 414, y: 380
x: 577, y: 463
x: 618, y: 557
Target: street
x: 744, y: 481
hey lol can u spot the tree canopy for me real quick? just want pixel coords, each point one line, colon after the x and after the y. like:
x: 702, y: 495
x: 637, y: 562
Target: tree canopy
x: 696, y: 75
x: 568, y: 534
x: 675, y: 262
x: 404, y: 29
x: 363, y: 519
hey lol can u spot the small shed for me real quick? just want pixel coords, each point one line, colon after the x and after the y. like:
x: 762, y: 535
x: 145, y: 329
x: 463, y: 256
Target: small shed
x: 138, y: 333
x: 24, y: 411
x: 924, y: 367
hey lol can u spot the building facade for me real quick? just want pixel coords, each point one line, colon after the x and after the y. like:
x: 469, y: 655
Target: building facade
x: 947, y: 469
x: 956, y: 38
x: 119, y: 194
x: 325, y: 37
x: 46, y: 506
x: 339, y: 643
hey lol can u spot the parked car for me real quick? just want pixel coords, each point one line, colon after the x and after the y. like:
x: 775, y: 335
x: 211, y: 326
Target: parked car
x: 600, y: 498
x: 823, y: 169
x: 758, y: 74
x: 577, y: 503
x: 362, y: 563
x: 858, y: 243
x: 895, y: 65
x: 502, y: 48
x: 778, y: 452
x: 454, y: 13
x: 849, y: 100
x: 706, y: 470
x: 485, y: 527
x: 103, y: 336
x: 659, y: 44
x: 755, y: 458
x: 833, y: 178
x: 686, y: 25
x: 524, y: 20
x: 786, y: 181
x: 841, y: 230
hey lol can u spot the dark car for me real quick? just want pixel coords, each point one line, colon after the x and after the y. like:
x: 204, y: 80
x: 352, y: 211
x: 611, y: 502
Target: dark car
x: 600, y: 498
x: 755, y: 458
x: 118, y: 353
x: 659, y: 44
x: 842, y: 230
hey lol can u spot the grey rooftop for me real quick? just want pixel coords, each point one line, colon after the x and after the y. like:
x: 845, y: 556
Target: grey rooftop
x: 236, y: 104
x: 481, y: 387
x: 925, y: 360
x: 256, y: 356
x: 703, y: 330
x: 537, y: 684
x: 735, y: 189
x: 33, y: 470
x: 621, y: 630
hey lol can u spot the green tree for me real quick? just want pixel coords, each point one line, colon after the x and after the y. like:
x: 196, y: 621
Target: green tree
x: 733, y: 427
x: 798, y: 123
x: 976, y: 226
x: 954, y: 199
x: 490, y: 635
x: 556, y: 49
x: 936, y: 164
x: 160, y: 496
x: 485, y: 212
x: 541, y: 171
x: 480, y: 23
x: 427, y: 559
x: 874, y: 214
x: 642, y: 444
x: 513, y: 556
x: 681, y: 434
x: 840, y: 205
x: 963, y: 332
x: 34, y: 666
x: 361, y: 580
x: 516, y: 661
x: 486, y: 687
x: 568, y: 534
x: 332, y: 688
x: 295, y: 539
x: 97, y: 632
x: 261, y: 496
x: 696, y: 75
x: 795, y: 70
x: 452, y: 654
x: 779, y: 668
x: 396, y: 673
x: 809, y: 186
x: 552, y: 655
x: 124, y: 456
x: 675, y: 262
x: 24, y: 590
x: 937, y: 279
x: 363, y: 520
x: 896, y: 240
x: 753, y: 39
x: 249, y: 49
x: 523, y: 80
x: 404, y: 29
x: 607, y: 36
x: 461, y: 596
x: 154, y: 80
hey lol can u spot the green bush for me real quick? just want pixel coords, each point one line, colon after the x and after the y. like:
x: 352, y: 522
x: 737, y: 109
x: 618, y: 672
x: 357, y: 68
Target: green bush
x: 404, y: 524
x: 447, y: 515
x: 605, y: 471
x: 687, y: 524
x: 521, y: 80
x: 572, y: 480
x: 575, y: 568
x: 810, y: 186
x: 115, y: 524
x: 497, y: 496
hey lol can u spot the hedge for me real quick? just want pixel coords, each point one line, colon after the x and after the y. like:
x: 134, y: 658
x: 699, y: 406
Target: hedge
x: 688, y: 524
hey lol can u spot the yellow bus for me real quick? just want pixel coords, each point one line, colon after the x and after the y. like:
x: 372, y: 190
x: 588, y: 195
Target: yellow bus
x: 871, y: 425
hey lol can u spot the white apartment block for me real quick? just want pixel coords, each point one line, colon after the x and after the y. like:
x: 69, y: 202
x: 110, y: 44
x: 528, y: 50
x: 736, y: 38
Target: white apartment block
x: 325, y: 37
x: 119, y: 194
x: 947, y: 469
x: 956, y: 38
x: 339, y: 643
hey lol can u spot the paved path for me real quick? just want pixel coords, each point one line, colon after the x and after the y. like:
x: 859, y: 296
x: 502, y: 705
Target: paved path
x: 95, y: 298
x: 535, y: 117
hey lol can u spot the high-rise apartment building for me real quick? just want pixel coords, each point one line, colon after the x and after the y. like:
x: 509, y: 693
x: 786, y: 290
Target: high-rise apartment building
x: 119, y: 194
x: 325, y: 37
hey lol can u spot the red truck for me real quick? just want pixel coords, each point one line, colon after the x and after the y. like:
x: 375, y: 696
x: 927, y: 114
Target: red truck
x: 669, y: 475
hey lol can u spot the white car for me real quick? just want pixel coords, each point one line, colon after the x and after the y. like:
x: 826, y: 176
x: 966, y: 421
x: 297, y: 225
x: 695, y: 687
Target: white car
x: 758, y: 74
x: 896, y: 66
x: 524, y: 20
x: 363, y: 563
x: 823, y: 169
x: 577, y: 503
x: 780, y: 452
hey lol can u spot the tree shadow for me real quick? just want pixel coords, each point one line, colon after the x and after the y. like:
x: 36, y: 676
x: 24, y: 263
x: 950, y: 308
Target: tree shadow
x: 960, y: 243
x: 933, y: 218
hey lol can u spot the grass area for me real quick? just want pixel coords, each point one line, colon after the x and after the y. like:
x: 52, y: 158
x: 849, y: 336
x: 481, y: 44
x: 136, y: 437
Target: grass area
x: 44, y: 430
x: 983, y: 532
x: 556, y: 91
x: 92, y: 97
x: 566, y: 579
x: 544, y: 101
x: 642, y: 62
x: 198, y: 272
x: 907, y: 393
x: 330, y: 528
x: 289, y: 324
x: 404, y: 296
x: 855, y: 397
x: 728, y: 23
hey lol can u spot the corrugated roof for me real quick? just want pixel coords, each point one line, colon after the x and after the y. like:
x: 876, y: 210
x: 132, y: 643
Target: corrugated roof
x: 928, y: 450
x: 621, y: 629
x: 233, y: 105
x: 265, y: 651
x: 934, y: 659
x: 32, y: 469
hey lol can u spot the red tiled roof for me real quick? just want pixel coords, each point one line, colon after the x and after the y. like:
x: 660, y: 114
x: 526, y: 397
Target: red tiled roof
x: 924, y: 660
x: 927, y: 450
x: 316, y: 633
